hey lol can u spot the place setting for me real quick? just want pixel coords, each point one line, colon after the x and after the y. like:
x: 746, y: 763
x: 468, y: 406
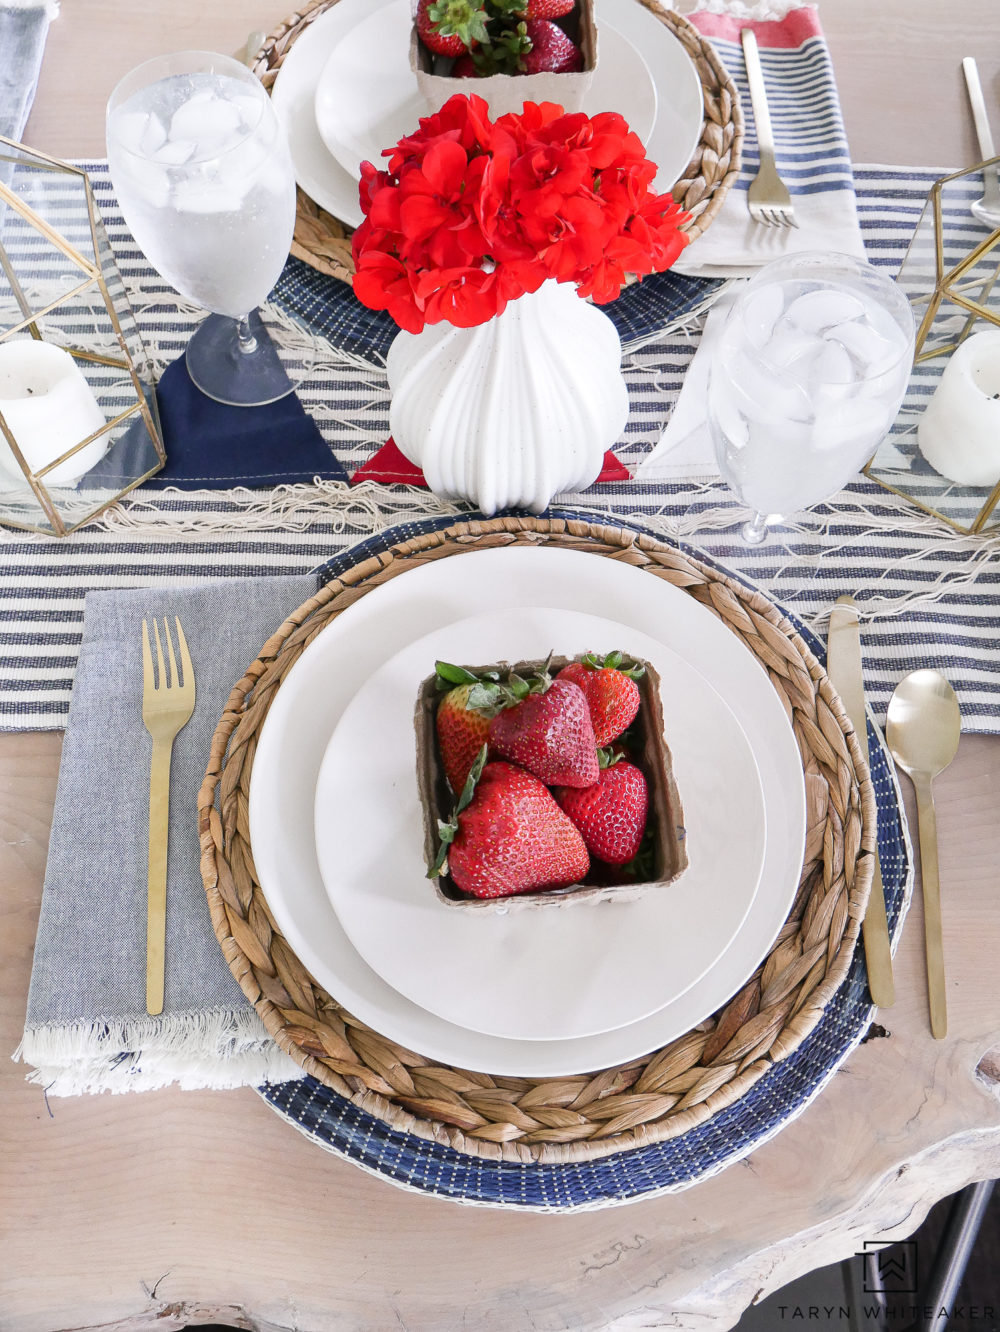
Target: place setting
x: 537, y: 407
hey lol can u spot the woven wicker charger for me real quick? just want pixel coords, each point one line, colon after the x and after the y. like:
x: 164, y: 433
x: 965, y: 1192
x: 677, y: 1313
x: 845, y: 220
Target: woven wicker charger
x: 667, y: 1092
x: 324, y: 242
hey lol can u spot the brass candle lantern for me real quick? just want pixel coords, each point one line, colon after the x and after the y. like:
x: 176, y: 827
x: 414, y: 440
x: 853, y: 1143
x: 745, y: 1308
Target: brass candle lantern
x: 943, y: 452
x: 78, y: 421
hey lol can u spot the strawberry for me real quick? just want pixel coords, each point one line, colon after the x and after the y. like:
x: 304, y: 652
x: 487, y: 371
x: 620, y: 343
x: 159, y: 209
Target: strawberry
x: 461, y: 734
x: 548, y: 9
x: 464, y: 68
x: 551, y: 51
x: 611, y: 691
x: 451, y: 27
x: 549, y: 733
x: 512, y: 837
x: 611, y: 814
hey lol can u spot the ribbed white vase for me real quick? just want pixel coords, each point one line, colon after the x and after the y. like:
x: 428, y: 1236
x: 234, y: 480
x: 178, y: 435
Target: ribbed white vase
x: 513, y: 411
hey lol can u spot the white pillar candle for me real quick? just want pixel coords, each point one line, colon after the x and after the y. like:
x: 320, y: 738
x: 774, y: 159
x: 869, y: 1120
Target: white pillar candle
x: 959, y: 433
x: 48, y: 407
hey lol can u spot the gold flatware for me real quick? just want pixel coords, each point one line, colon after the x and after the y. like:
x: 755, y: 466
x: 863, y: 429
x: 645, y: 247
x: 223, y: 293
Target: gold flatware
x: 167, y: 705
x: 843, y: 662
x: 923, y: 728
x: 986, y: 209
x: 767, y: 198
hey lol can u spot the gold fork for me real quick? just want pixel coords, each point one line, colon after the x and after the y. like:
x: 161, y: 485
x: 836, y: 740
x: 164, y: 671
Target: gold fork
x: 767, y: 198
x: 167, y: 705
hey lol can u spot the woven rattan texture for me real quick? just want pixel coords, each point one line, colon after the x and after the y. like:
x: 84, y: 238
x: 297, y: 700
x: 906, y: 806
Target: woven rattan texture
x: 323, y: 242
x: 598, y: 1113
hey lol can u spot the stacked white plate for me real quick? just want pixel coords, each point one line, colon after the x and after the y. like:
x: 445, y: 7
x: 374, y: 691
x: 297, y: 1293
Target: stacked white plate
x: 338, y: 840
x: 345, y: 92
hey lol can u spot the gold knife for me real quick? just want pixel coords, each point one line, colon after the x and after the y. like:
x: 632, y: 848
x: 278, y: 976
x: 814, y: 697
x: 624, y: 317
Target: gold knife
x: 843, y: 664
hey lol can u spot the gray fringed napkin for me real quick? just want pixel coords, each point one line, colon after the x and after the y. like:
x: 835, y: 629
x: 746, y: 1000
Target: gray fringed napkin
x: 87, y: 1029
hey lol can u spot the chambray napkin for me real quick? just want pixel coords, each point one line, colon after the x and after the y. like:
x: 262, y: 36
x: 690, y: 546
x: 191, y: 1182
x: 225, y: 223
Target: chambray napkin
x: 811, y: 146
x: 87, y: 1029
x: 24, y: 26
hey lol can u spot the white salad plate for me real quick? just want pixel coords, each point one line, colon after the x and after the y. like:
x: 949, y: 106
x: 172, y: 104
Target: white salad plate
x: 568, y: 970
x: 367, y: 96
x: 671, y: 143
x: 333, y: 668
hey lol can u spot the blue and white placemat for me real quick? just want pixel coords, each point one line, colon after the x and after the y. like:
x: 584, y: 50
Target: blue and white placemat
x: 929, y: 597
x: 430, y: 1167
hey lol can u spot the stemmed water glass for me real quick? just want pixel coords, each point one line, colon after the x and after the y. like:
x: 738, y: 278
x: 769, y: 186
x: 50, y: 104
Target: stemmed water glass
x: 204, y: 178
x: 806, y: 380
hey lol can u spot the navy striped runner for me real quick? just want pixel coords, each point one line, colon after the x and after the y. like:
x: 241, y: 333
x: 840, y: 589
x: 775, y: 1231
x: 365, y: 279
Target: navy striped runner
x: 929, y: 597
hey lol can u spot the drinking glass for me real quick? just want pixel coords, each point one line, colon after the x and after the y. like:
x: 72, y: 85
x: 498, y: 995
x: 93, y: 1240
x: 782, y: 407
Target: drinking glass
x: 204, y: 178
x: 808, y: 375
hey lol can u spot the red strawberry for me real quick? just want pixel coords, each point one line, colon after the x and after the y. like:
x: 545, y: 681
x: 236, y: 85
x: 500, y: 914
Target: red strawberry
x: 551, y: 51
x: 451, y: 27
x: 550, y: 734
x: 461, y: 734
x: 612, y: 694
x: 464, y: 68
x: 513, y: 837
x: 548, y: 9
x: 611, y: 814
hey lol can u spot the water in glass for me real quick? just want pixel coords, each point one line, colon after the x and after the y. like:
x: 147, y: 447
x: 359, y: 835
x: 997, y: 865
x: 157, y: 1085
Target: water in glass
x: 807, y: 378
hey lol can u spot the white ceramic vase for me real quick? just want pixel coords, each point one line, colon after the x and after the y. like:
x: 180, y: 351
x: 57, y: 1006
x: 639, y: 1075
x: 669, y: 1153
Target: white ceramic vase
x: 513, y: 411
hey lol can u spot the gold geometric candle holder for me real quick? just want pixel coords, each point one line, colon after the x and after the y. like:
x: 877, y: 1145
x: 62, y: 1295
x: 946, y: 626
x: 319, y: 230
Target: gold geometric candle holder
x: 950, y: 275
x: 79, y: 426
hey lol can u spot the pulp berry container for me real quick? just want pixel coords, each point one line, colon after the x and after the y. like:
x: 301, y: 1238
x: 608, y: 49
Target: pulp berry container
x: 647, y: 749
x: 508, y: 92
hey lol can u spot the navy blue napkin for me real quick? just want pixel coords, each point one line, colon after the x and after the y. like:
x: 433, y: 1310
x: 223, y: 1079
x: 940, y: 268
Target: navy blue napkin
x: 211, y: 445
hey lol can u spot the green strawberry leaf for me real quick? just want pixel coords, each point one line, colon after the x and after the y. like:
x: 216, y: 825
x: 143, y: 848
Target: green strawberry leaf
x: 448, y: 828
x: 454, y: 675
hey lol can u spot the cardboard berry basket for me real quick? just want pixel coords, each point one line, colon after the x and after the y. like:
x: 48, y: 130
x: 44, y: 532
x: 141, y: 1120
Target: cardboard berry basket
x: 508, y: 92
x: 647, y: 748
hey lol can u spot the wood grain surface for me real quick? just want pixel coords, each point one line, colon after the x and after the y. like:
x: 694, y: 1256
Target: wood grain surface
x: 168, y: 1209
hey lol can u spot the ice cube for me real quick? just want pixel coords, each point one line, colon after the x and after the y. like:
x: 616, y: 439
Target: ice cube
x: 128, y: 128
x: 871, y: 353
x: 851, y: 423
x: 764, y: 395
x: 248, y: 107
x: 175, y: 152
x: 833, y: 366
x: 186, y: 122
x: 728, y: 418
x: 760, y: 314
x: 817, y: 310
x: 154, y: 135
x: 789, y: 347
x: 195, y: 195
x: 151, y: 181
x: 212, y: 122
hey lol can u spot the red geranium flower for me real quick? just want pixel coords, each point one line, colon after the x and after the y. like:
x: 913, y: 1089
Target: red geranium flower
x: 471, y: 214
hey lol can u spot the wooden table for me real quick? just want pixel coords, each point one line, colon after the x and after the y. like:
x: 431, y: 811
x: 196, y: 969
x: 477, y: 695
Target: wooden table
x: 171, y: 1208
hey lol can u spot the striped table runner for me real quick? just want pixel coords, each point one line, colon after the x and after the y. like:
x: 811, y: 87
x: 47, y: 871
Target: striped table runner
x: 929, y: 596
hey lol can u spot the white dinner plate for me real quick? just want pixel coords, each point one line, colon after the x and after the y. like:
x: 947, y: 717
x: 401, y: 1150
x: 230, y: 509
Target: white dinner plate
x: 674, y: 137
x: 330, y: 671
x: 568, y: 970
x: 367, y: 96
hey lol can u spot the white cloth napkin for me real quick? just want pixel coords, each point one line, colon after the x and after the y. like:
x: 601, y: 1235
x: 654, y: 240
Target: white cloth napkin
x: 811, y: 146
x: 684, y: 450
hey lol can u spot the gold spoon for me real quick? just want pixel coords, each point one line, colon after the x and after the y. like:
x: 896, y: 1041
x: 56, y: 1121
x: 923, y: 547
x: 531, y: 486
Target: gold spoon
x: 923, y: 726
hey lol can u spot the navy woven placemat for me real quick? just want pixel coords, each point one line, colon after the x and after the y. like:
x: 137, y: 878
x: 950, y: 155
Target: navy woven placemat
x: 330, y: 307
x: 411, y: 1162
